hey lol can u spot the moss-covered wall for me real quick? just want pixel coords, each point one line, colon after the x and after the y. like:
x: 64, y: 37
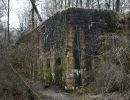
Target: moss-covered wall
x: 64, y: 45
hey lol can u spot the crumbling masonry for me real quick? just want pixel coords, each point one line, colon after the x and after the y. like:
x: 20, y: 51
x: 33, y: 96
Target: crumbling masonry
x: 62, y: 49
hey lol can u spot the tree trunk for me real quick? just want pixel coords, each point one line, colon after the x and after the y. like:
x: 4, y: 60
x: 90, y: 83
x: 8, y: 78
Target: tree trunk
x: 118, y: 5
x: 106, y: 4
x: 68, y: 3
x: 72, y: 2
x: 55, y: 4
x: 80, y: 3
x: 36, y: 10
x: 8, y: 20
x: 61, y: 4
x: 87, y: 4
x: 65, y: 3
x: 98, y: 4
x: 113, y: 5
x: 92, y: 3
x: 33, y: 15
x: 109, y: 3
x: 76, y: 3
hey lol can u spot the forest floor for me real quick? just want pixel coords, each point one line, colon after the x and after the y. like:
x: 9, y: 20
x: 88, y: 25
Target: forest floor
x: 51, y: 93
x: 11, y: 87
x: 55, y: 93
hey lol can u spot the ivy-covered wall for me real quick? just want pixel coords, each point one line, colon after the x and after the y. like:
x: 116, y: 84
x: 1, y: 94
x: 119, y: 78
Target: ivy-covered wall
x: 61, y: 48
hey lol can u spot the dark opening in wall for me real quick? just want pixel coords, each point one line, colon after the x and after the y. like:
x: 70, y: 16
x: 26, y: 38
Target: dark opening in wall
x: 58, y: 61
x: 48, y: 63
x: 76, y: 59
x: 58, y: 72
x: 76, y: 49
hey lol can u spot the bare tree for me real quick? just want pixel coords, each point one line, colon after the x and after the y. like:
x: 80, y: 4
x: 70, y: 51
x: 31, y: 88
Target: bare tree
x: 81, y: 2
x: 36, y: 10
x: 88, y: 4
x: 98, y: 4
x: 65, y: 3
x: 129, y: 4
x: 69, y: 3
x: 77, y: 3
x: 118, y: 5
x: 2, y: 9
x: 55, y: 4
x: 50, y: 8
x: 61, y: 4
x: 33, y: 14
x: 113, y: 3
x: 25, y: 19
x: 109, y: 3
x: 92, y: 4
x: 8, y: 20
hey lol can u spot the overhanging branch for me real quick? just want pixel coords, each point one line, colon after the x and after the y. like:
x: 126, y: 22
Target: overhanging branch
x: 36, y: 10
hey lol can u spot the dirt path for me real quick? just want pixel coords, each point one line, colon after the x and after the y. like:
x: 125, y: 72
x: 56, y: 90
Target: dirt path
x: 51, y: 93
x: 54, y: 93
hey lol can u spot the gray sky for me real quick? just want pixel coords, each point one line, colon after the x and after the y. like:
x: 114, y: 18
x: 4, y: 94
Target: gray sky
x: 16, y: 7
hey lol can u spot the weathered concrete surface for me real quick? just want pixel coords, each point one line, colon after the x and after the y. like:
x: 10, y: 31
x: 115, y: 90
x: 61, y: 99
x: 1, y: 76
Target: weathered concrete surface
x: 61, y: 50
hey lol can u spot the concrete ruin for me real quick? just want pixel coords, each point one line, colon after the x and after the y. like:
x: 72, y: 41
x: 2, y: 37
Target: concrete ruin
x: 62, y: 49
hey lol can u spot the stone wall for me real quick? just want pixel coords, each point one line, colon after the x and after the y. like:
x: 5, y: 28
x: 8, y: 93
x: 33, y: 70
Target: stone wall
x: 61, y: 49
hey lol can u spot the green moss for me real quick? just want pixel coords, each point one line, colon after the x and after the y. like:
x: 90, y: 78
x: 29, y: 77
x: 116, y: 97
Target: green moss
x: 104, y: 47
x: 48, y: 79
x: 60, y: 31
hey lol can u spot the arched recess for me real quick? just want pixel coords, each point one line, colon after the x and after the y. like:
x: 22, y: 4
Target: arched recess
x: 48, y: 63
x: 58, y: 72
x: 58, y: 61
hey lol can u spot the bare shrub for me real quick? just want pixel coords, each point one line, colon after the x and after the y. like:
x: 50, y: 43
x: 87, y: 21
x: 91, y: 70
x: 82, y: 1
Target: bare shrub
x: 113, y: 67
x: 111, y: 77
